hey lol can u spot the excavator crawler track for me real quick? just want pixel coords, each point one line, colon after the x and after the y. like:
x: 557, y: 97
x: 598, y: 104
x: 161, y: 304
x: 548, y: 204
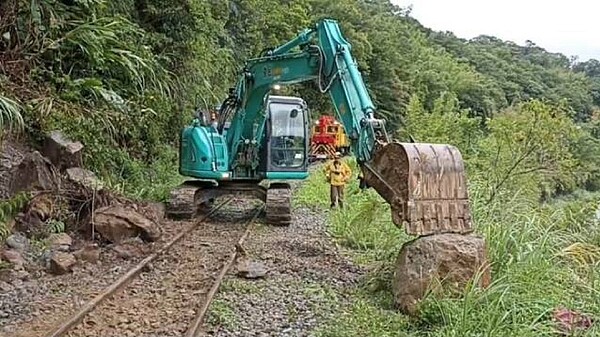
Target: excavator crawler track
x: 181, y: 204
x: 190, y: 199
x: 278, y: 205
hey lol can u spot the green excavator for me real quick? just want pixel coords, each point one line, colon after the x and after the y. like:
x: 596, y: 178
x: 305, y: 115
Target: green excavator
x: 259, y: 142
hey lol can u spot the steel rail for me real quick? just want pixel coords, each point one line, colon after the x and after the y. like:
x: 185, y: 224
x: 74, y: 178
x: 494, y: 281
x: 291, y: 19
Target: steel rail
x: 193, y: 330
x: 76, y: 318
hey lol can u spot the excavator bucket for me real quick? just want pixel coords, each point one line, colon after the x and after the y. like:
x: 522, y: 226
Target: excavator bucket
x: 425, y: 185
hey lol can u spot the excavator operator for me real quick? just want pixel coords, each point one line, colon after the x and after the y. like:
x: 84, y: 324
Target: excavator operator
x: 338, y: 173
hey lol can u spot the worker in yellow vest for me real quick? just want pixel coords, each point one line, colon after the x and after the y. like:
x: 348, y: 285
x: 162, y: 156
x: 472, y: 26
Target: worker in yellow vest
x: 338, y: 173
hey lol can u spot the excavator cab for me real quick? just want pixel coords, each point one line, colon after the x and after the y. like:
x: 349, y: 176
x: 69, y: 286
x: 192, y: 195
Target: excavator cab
x: 286, y: 142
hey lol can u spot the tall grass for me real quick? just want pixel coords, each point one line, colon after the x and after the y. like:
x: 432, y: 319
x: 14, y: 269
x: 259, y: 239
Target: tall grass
x: 543, y: 258
x: 364, y: 225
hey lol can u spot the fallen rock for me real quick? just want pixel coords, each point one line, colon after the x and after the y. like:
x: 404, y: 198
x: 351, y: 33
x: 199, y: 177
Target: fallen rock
x: 438, y: 262
x: 18, y: 242
x: 13, y: 257
x: 11, y: 155
x: 60, y: 241
x: 33, y: 173
x: 33, y: 221
x: 117, y: 223
x: 44, y: 258
x: 62, y: 151
x: 155, y: 211
x: 569, y: 321
x: 61, y: 263
x: 84, y: 177
x: 127, y: 251
x: 89, y: 254
x: 5, y: 287
x: 251, y: 269
x: 20, y: 275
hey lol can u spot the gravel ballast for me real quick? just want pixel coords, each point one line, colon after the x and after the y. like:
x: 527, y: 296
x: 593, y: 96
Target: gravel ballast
x: 31, y: 306
x: 301, y: 268
x: 163, y: 300
x: 292, y: 300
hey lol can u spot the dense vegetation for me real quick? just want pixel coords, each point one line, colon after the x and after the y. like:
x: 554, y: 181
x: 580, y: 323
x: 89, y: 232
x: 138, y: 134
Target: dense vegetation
x: 544, y: 255
x: 124, y: 76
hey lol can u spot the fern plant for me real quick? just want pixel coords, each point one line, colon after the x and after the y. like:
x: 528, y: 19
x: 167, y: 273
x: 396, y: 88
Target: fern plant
x: 4, y: 230
x: 55, y: 226
x: 8, y: 209
x: 10, y: 114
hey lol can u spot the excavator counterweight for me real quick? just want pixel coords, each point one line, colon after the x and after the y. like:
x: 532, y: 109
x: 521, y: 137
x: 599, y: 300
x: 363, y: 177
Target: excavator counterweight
x: 424, y: 184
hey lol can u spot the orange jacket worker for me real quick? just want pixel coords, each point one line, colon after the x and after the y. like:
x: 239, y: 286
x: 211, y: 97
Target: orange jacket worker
x: 338, y: 173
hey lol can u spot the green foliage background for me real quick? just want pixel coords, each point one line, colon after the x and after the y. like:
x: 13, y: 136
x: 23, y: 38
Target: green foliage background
x: 123, y: 77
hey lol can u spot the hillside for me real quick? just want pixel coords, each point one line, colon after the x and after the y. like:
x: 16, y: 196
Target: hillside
x: 123, y: 77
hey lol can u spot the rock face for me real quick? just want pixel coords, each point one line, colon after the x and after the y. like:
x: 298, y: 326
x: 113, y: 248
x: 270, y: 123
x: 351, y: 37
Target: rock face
x: 117, y: 223
x: 11, y: 156
x: 62, y: 152
x: 445, y: 261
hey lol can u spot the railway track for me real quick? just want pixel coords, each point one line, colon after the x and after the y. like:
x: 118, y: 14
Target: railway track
x: 169, y: 292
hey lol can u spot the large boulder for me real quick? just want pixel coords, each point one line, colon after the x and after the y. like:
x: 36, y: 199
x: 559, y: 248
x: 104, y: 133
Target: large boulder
x: 117, y: 223
x: 62, y: 263
x: 85, y: 178
x: 33, y: 173
x: 11, y: 155
x: 444, y: 262
x: 62, y: 151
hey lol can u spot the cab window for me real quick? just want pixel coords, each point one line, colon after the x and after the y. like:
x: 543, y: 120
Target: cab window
x: 287, y: 135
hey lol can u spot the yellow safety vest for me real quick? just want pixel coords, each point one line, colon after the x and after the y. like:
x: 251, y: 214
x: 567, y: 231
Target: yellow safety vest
x: 338, y: 175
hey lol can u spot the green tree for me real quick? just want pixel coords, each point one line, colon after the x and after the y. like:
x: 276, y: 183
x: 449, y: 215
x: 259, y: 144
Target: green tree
x: 528, y: 149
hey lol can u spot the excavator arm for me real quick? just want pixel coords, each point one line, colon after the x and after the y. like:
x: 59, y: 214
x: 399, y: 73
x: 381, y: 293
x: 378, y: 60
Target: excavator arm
x: 329, y: 62
x: 424, y: 184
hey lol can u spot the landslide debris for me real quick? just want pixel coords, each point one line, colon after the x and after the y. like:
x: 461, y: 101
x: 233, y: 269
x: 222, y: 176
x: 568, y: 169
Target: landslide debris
x: 65, y: 207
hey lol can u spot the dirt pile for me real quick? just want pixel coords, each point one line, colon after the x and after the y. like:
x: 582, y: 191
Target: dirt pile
x: 62, y: 197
